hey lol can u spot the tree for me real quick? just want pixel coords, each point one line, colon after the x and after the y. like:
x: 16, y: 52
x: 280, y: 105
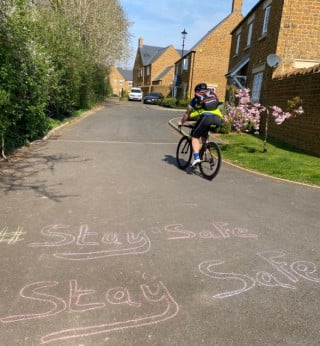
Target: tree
x: 102, y: 26
x: 246, y: 115
x: 59, y: 41
x: 54, y: 58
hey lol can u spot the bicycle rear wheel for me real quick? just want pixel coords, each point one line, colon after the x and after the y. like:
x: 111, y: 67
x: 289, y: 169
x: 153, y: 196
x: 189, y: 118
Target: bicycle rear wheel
x: 184, y: 152
x: 211, y: 158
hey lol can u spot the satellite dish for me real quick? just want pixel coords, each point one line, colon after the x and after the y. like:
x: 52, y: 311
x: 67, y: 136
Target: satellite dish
x: 273, y: 60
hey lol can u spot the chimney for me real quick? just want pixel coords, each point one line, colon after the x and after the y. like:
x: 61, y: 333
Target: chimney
x: 140, y: 42
x: 236, y: 6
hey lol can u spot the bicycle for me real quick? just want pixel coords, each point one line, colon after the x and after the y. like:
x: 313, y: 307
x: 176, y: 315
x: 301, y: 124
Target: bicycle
x: 210, y: 154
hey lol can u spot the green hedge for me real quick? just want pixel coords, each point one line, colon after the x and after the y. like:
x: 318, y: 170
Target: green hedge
x: 46, y: 73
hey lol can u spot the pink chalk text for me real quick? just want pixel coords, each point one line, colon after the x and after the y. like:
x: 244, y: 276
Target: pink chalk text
x: 105, y: 245
x: 292, y: 272
x: 218, y: 230
x: 155, y: 296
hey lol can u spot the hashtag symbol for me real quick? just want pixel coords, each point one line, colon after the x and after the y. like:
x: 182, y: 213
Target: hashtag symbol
x: 11, y: 237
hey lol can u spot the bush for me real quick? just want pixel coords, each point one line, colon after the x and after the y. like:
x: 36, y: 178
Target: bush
x: 170, y: 102
x: 46, y: 71
x: 23, y: 77
x: 225, y: 128
x: 183, y: 103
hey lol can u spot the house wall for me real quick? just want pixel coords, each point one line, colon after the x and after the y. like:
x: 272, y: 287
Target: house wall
x: 168, y: 58
x: 208, y: 60
x: 299, y: 36
x: 261, y: 45
x: 295, y: 37
x: 211, y: 59
x: 292, y: 36
x: 165, y: 90
x: 138, y: 78
x: 118, y: 83
x: 302, y: 131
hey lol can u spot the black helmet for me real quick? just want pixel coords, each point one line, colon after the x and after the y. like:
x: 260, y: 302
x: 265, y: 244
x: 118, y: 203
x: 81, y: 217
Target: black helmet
x: 200, y: 87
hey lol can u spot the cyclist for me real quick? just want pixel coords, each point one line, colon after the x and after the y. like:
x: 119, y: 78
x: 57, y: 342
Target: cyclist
x: 205, y: 118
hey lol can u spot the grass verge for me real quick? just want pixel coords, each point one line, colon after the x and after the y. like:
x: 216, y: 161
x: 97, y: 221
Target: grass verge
x: 280, y: 160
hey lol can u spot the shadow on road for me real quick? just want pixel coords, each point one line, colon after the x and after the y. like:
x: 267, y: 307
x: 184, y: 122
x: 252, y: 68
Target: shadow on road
x: 25, y: 168
x: 171, y: 160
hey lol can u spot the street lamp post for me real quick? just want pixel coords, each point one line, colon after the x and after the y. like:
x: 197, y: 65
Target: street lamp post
x: 179, y: 77
x: 184, y: 35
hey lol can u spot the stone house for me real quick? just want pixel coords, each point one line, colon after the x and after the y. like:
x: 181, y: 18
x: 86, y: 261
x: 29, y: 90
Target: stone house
x: 154, y: 68
x: 120, y: 80
x: 274, y: 52
x: 208, y: 60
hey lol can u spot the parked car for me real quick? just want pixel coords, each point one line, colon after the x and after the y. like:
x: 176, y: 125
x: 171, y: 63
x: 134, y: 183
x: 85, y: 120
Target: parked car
x: 135, y: 94
x: 153, y: 98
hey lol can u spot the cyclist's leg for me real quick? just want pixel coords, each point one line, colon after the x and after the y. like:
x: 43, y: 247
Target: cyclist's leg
x: 212, y: 119
x: 196, y: 141
x: 195, y: 144
x: 210, y: 155
x: 201, y: 130
x: 202, y: 126
x: 215, y: 120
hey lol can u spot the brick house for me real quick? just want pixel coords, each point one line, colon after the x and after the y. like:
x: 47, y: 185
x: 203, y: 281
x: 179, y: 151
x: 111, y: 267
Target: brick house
x: 154, y: 68
x: 120, y: 80
x: 207, y: 61
x: 277, y: 28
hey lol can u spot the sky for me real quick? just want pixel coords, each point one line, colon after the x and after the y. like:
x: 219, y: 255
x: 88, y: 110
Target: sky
x: 161, y: 22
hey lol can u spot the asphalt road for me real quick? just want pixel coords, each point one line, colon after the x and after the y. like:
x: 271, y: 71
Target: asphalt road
x: 104, y: 241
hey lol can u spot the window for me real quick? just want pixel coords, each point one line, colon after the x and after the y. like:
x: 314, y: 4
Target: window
x: 148, y: 70
x: 238, y: 43
x: 249, y: 37
x: 238, y: 73
x: 185, y: 64
x: 266, y: 19
x: 256, y: 86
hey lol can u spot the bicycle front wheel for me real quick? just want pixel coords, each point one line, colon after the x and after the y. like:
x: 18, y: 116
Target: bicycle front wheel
x: 211, y: 158
x: 184, y: 152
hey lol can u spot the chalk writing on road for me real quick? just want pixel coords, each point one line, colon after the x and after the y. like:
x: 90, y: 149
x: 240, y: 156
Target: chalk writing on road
x: 59, y: 235
x: 294, y: 272
x: 41, y: 297
x: 11, y: 237
x: 218, y: 230
x: 105, y: 245
x: 95, y: 245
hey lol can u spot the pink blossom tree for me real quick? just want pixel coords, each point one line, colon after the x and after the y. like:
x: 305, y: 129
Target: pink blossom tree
x: 246, y: 115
